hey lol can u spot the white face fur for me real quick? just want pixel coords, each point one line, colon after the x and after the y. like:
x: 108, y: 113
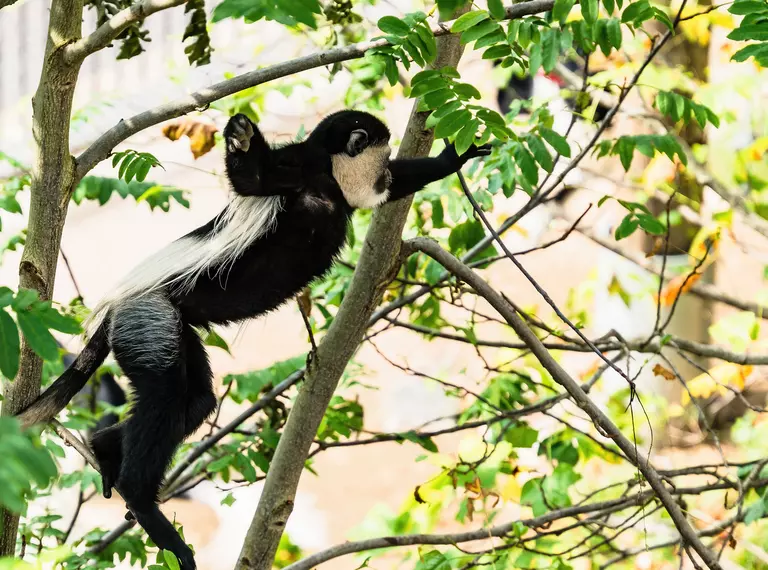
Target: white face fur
x: 357, y: 175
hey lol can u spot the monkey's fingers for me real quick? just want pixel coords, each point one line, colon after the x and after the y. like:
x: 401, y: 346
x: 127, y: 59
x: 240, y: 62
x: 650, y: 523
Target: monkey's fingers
x: 238, y: 133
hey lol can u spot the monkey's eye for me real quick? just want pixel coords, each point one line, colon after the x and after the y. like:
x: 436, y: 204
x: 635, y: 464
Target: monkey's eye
x: 358, y: 140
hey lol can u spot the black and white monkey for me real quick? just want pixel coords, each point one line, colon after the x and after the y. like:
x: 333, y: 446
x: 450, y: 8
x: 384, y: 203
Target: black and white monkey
x: 284, y: 227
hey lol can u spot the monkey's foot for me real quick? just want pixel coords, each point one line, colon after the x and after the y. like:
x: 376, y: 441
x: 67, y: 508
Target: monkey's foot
x: 238, y: 133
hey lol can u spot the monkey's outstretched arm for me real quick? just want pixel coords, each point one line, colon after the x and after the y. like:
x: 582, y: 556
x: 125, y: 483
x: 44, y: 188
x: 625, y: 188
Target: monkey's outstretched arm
x: 409, y: 175
x: 248, y: 157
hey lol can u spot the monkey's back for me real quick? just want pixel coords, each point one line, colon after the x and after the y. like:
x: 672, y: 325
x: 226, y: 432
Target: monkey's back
x: 310, y: 232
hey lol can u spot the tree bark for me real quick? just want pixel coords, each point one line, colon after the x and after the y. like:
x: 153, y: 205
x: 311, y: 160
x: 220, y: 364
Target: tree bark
x: 53, y: 174
x: 378, y: 259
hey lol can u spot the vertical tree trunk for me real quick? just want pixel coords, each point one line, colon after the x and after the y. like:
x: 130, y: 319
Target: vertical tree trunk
x: 693, y: 316
x: 377, y: 261
x: 52, y: 181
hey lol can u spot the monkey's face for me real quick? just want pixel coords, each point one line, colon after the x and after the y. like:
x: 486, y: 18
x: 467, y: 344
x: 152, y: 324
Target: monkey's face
x: 358, y: 144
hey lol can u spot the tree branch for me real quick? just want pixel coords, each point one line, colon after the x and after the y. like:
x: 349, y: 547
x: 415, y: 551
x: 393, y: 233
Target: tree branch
x: 499, y: 531
x: 103, y: 146
x: 601, y: 421
x: 109, y: 30
x: 52, y: 176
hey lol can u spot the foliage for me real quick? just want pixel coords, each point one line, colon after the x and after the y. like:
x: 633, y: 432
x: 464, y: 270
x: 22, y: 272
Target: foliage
x: 101, y: 189
x: 26, y: 468
x: 752, y: 27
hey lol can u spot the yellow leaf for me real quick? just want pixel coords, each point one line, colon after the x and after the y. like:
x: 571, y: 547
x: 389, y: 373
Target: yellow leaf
x: 511, y: 490
x: 676, y: 287
x: 201, y: 134
x: 716, y: 380
x: 667, y: 374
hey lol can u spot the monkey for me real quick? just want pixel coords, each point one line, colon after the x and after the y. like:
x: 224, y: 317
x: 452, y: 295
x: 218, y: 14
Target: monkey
x: 107, y: 391
x: 283, y: 227
x: 522, y: 87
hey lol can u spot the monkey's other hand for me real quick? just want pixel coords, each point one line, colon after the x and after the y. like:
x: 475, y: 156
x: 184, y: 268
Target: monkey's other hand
x: 238, y: 133
x: 449, y: 153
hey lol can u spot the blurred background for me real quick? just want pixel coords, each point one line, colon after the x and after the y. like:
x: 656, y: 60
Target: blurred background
x: 354, y: 491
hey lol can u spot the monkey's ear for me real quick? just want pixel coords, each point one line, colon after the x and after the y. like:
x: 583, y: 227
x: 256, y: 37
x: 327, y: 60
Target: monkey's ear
x: 358, y: 140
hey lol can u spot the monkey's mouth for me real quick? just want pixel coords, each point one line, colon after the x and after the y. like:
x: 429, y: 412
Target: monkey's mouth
x: 384, y: 181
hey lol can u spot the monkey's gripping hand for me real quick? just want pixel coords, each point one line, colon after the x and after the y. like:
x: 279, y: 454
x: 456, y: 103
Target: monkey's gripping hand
x: 248, y: 156
x: 238, y: 133
x: 450, y: 156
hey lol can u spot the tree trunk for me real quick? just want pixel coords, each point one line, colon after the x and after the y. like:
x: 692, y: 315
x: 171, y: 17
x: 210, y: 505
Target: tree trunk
x: 53, y: 175
x: 378, y: 259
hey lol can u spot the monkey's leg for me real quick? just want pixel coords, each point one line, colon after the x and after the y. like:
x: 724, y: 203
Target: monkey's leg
x: 201, y: 400
x: 107, y: 445
x: 146, y: 339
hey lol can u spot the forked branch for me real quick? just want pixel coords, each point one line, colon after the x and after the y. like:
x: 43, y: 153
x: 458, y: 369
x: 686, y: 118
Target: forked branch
x: 109, y: 30
x: 601, y: 421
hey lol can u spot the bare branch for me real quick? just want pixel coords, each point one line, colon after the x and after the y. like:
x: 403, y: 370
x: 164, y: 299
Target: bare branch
x: 601, y: 421
x: 4, y: 3
x: 109, y: 30
x: 470, y: 536
x: 103, y: 146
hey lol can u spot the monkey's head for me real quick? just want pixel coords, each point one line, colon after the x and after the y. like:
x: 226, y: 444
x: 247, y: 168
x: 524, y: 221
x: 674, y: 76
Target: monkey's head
x: 358, y: 144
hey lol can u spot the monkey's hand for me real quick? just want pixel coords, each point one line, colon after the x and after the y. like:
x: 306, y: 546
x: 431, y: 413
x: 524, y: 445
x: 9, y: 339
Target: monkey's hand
x: 238, y: 133
x: 449, y: 154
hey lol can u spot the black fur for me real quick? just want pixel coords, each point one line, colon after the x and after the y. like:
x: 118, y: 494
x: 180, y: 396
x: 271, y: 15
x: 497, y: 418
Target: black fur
x: 152, y: 336
x: 521, y: 87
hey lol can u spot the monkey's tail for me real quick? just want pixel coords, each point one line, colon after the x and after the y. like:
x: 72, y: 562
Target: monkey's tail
x: 73, y: 379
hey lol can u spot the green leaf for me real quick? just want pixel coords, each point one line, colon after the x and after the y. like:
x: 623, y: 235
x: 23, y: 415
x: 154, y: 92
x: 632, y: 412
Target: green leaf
x: 562, y: 9
x: 636, y: 10
x: 626, y: 228
x: 527, y: 164
x: 6, y: 296
x: 651, y: 224
x: 540, y: 152
x: 556, y: 141
x: 468, y: 20
x: 466, y: 136
x: 142, y: 171
x: 663, y: 17
x: 394, y: 26
x: 466, y: 91
x: 37, y: 335
x: 452, y: 123
x: 743, y: 8
x: 614, y: 32
x: 758, y: 51
x: 9, y: 346
x: 52, y: 319
x: 433, y: 560
x: 482, y: 29
x: 589, y: 9
x: 427, y: 86
x: 212, y: 338
x: 497, y: 9
x: 425, y: 442
x: 497, y: 52
x: 437, y: 99
x: 170, y: 560
x: 521, y: 435
x: 753, y: 32
x: 549, y: 51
